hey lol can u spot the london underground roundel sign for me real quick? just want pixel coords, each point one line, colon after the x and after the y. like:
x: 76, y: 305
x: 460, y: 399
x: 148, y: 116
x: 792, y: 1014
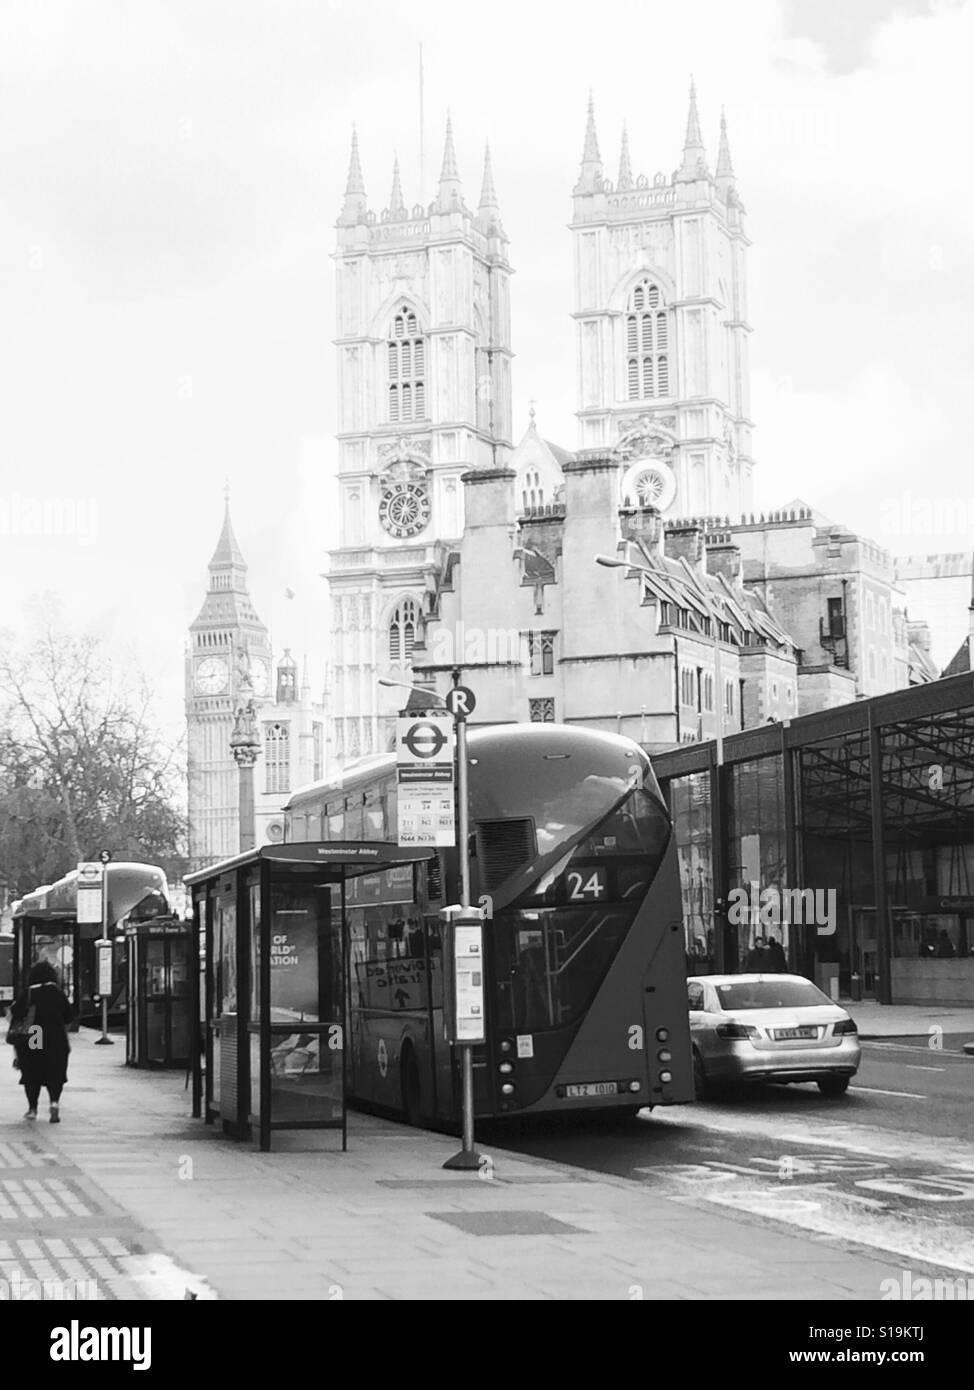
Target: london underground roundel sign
x: 426, y: 740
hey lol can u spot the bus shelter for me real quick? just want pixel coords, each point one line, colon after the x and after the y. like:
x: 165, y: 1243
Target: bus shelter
x: 270, y: 1052
x: 46, y: 928
x: 159, y: 1022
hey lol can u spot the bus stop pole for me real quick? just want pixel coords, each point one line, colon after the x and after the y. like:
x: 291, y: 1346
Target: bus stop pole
x: 104, y: 1040
x: 463, y: 831
x: 468, y: 1157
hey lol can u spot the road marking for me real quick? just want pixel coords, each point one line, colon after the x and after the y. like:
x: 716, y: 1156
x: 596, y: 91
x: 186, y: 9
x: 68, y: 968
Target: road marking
x: 939, y: 1052
x: 875, y: 1091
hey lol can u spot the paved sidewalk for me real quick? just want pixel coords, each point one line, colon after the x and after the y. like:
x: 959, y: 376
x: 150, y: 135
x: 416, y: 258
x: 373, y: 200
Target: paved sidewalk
x: 908, y: 1020
x: 132, y: 1193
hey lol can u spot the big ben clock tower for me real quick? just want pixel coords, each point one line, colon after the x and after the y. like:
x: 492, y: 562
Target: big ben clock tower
x: 228, y: 662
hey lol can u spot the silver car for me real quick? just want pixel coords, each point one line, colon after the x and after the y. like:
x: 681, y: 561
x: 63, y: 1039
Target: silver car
x: 769, y: 1028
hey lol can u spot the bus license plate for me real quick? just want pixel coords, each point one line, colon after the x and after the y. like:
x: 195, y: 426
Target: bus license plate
x: 593, y: 1088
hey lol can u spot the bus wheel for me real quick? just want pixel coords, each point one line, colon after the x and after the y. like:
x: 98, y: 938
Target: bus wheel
x: 409, y: 1073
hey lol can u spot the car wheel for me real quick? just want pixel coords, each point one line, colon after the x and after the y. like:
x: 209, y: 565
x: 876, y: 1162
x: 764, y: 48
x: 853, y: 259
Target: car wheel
x: 701, y: 1083
x: 834, y: 1085
x: 409, y: 1072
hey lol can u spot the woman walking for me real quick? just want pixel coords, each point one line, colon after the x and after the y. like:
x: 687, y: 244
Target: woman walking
x: 42, y: 1050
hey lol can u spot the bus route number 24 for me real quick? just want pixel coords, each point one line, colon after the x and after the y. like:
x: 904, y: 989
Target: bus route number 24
x: 586, y: 886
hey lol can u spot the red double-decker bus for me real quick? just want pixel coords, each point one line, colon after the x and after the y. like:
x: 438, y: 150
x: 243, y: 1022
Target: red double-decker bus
x: 573, y: 857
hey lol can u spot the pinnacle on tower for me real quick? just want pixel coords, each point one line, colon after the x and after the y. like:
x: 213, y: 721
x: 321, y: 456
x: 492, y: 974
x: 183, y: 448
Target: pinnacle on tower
x: 448, y: 196
x: 227, y: 551
x: 353, y: 209
x: 397, y: 208
x: 590, y: 174
x: 488, y: 210
x: 725, y: 169
x: 624, y: 182
x: 694, y: 164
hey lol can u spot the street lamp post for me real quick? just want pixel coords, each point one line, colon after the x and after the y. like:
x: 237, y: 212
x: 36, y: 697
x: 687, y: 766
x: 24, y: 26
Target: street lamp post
x: 612, y: 562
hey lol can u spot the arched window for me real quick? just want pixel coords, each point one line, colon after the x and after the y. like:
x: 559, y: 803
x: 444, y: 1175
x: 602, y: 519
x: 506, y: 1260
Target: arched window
x: 647, y: 343
x: 407, y: 368
x: 402, y: 631
x: 277, y: 757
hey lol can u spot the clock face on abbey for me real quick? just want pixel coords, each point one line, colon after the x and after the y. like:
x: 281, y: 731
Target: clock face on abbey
x: 405, y: 509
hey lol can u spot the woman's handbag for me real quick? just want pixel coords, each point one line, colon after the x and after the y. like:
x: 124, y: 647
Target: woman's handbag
x: 18, y: 1030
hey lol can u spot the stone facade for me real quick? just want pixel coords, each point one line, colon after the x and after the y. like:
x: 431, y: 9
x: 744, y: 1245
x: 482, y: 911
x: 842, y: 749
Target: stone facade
x: 423, y: 396
x: 660, y: 306
x: 693, y: 618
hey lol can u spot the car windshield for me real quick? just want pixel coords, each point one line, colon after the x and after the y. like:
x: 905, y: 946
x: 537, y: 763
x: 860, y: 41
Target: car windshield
x: 770, y: 994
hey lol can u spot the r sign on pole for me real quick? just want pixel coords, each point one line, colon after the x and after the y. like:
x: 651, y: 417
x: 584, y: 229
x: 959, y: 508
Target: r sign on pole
x: 424, y: 773
x: 89, y: 893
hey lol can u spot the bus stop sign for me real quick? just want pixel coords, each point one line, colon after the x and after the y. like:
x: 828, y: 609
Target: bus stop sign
x: 460, y: 701
x: 422, y: 741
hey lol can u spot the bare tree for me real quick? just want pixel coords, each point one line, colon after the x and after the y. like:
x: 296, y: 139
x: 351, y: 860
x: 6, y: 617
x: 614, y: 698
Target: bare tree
x: 82, y: 763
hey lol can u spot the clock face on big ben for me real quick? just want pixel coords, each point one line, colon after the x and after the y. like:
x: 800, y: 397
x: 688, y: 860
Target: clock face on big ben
x: 405, y: 509
x: 260, y: 676
x: 212, y: 676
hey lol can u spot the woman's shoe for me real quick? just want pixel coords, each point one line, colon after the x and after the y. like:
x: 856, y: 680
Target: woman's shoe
x: 55, y: 1115
x: 31, y: 1115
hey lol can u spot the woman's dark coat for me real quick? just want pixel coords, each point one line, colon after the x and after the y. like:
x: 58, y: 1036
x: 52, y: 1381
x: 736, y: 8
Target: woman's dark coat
x: 43, y: 1056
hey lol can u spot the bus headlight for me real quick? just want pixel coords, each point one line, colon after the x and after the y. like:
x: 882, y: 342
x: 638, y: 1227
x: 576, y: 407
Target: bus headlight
x: 665, y: 1056
x: 508, y: 1088
x: 662, y: 1035
x: 506, y: 1068
x: 634, y: 1085
x: 665, y: 1076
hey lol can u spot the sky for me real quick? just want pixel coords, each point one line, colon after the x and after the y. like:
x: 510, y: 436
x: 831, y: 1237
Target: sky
x: 170, y: 176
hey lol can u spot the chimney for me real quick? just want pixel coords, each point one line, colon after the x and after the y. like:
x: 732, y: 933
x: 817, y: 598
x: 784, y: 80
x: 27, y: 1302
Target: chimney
x: 724, y: 559
x: 644, y: 525
x: 685, y: 542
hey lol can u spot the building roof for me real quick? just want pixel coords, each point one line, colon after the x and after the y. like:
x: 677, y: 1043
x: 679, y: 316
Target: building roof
x: 960, y: 662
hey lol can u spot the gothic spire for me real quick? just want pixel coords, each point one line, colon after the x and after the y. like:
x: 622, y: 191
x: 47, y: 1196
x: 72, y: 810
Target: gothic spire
x: 624, y: 182
x: 397, y: 208
x: 694, y: 155
x: 725, y: 169
x: 227, y: 551
x: 449, y: 196
x: 590, y: 174
x: 353, y: 208
x: 489, y: 210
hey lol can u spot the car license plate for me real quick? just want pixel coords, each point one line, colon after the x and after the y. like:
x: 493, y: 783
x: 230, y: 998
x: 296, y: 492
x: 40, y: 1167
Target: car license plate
x: 783, y: 1034
x: 593, y: 1088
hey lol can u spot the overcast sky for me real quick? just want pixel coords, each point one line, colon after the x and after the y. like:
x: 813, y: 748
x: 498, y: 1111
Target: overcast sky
x: 170, y: 175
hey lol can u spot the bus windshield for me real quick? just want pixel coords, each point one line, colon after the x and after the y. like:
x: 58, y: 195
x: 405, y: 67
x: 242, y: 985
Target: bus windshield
x: 554, y: 944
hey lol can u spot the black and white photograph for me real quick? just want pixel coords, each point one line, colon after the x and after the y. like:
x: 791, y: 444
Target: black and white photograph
x: 487, y: 668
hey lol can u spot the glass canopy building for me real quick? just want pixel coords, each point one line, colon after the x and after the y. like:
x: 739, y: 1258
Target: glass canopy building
x: 847, y: 835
